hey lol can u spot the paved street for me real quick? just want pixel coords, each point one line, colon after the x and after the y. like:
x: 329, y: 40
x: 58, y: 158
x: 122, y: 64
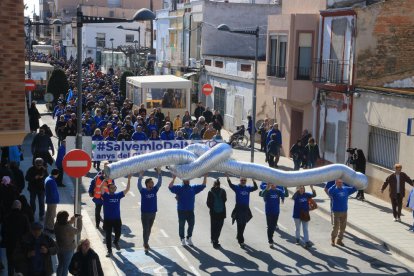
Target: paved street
x: 361, y: 255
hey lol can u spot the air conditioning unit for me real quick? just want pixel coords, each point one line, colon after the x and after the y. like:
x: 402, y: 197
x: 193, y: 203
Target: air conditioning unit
x: 277, y: 2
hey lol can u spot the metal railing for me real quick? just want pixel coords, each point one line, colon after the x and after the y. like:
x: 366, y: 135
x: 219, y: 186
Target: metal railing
x: 276, y: 71
x: 303, y: 73
x: 331, y: 71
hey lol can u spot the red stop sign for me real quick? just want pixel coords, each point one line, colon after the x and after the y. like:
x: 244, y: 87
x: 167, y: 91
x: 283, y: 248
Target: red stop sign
x: 207, y: 89
x: 76, y: 163
x: 30, y: 85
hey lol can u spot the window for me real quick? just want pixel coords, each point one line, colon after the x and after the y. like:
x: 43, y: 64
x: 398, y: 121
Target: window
x: 383, y: 147
x: 129, y: 38
x: 207, y: 62
x: 245, y: 67
x: 303, y: 71
x: 277, y: 59
x: 218, y: 63
x: 331, y: 133
x: 100, y: 40
x: 111, y: 14
x: 57, y: 30
x: 220, y: 100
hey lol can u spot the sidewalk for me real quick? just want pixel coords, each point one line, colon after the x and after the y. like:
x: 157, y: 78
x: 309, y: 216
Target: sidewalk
x: 67, y: 199
x: 373, y: 217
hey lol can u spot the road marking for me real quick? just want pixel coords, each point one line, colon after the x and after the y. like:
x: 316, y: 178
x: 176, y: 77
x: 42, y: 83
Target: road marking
x: 281, y: 226
x: 258, y: 210
x: 163, y: 233
x: 132, y: 193
x: 71, y: 164
x: 123, y: 183
x: 181, y: 254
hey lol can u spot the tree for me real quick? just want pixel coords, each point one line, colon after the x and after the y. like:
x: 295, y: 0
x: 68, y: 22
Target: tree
x: 58, y: 84
x: 122, y: 82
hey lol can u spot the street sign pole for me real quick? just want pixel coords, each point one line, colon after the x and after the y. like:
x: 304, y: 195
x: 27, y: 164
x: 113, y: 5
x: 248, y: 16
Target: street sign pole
x: 78, y: 183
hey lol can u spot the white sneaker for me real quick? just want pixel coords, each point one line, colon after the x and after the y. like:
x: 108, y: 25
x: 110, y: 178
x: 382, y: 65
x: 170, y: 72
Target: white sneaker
x: 183, y: 242
x: 189, y: 242
x: 395, y: 219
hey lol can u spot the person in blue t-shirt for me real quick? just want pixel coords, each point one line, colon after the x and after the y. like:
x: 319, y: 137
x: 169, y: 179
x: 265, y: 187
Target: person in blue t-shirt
x: 112, y: 214
x: 339, y: 194
x: 272, y: 195
x: 185, y: 206
x: 241, y: 212
x: 301, y: 213
x: 148, y: 205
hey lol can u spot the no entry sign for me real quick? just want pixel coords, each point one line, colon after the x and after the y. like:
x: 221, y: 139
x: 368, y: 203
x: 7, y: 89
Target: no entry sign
x: 76, y: 163
x: 207, y: 89
x: 30, y: 85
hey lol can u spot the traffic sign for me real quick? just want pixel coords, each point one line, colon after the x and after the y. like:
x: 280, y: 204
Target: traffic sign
x: 207, y: 89
x: 48, y: 97
x: 30, y: 85
x: 76, y: 163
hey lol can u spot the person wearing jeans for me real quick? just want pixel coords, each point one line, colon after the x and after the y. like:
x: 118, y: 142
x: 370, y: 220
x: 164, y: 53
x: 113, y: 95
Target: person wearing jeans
x: 301, y: 213
x: 52, y: 199
x: 148, y: 205
x: 339, y: 195
x: 35, y: 177
x: 185, y: 206
x: 112, y: 214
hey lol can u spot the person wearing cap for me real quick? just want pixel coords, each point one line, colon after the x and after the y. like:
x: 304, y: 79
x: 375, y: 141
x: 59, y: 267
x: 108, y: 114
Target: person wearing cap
x: 59, y: 163
x: 396, y: 181
x: 216, y: 202
x: 35, y: 252
x: 99, y: 181
x: 112, y: 213
x: 52, y: 199
x: 271, y: 195
x: 241, y: 212
x: 185, y: 206
x: 14, y: 227
x: 148, y: 205
x: 35, y: 177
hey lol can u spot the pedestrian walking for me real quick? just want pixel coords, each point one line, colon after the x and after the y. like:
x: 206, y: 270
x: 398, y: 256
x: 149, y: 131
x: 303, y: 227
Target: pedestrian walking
x: 34, y: 254
x: 34, y: 117
x: 278, y: 139
x: 301, y: 213
x: 14, y: 227
x: 241, y: 212
x: 112, y: 213
x: 396, y: 181
x: 85, y: 262
x: 35, y: 177
x: 95, y: 192
x: 339, y: 195
x: 59, y: 164
x: 359, y: 163
x: 311, y: 153
x: 52, y: 199
x: 216, y: 202
x: 410, y: 204
x: 264, y: 127
x: 297, y: 151
x: 273, y: 151
x: 65, y: 238
x: 185, y: 206
x: 148, y: 205
x: 272, y: 195
x: 41, y: 145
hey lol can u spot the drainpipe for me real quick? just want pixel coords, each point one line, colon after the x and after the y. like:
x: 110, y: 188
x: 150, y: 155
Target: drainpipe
x: 316, y: 114
x: 189, y: 40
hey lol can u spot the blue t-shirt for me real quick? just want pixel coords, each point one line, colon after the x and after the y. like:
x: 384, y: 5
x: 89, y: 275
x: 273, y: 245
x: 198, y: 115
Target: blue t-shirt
x: 112, y: 205
x: 186, y: 195
x: 242, y: 193
x: 51, y: 190
x: 149, y: 197
x: 139, y: 136
x: 340, y: 197
x: 272, y: 200
x: 301, y: 203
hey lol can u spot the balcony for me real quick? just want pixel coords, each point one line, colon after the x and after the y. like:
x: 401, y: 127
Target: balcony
x: 303, y: 73
x: 276, y: 71
x: 331, y: 71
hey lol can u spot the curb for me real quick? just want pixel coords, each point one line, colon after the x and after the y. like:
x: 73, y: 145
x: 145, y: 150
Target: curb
x: 388, y: 246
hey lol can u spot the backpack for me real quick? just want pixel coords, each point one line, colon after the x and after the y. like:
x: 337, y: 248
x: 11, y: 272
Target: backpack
x: 218, y: 205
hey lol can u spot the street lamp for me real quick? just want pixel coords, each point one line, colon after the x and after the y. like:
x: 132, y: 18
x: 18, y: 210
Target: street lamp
x: 137, y: 58
x: 225, y: 28
x: 136, y: 30
x: 112, y: 42
x: 145, y: 15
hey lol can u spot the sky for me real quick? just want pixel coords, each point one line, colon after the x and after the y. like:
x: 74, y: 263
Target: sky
x: 31, y: 4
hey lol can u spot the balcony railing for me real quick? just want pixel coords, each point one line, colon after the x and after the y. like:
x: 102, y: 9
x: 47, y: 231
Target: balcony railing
x: 303, y: 73
x: 276, y: 71
x: 331, y: 71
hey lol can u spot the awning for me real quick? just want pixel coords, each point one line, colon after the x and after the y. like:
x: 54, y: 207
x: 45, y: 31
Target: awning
x: 39, y: 66
x: 189, y: 75
x: 160, y: 81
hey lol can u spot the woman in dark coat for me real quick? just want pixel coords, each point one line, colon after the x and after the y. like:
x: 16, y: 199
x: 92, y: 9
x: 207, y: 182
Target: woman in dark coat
x: 34, y: 117
x: 360, y: 164
x: 85, y: 262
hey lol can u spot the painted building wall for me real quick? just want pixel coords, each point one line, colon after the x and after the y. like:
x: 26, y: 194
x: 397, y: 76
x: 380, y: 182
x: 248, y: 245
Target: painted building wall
x: 372, y: 109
